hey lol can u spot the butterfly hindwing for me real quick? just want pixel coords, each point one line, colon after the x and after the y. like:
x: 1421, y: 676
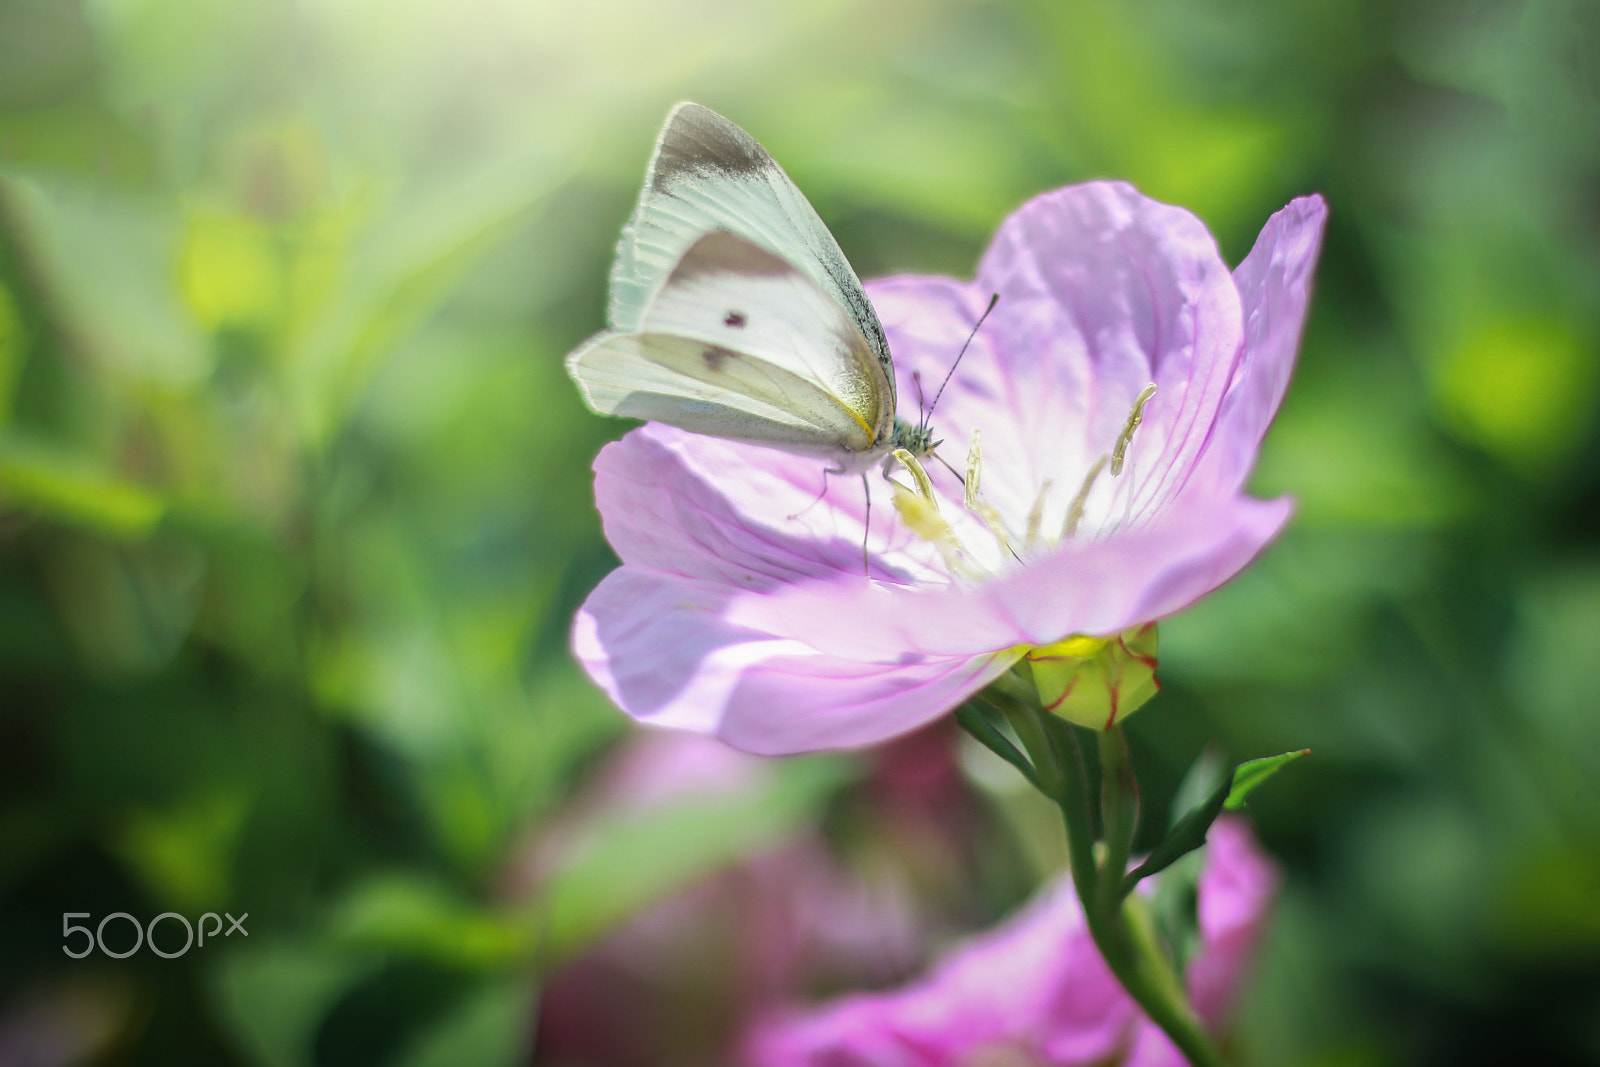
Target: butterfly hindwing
x: 660, y: 378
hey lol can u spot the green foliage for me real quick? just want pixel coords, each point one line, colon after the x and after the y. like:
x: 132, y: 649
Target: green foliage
x: 295, y: 497
x: 639, y: 858
x: 985, y: 725
x: 1248, y: 776
x: 1188, y: 831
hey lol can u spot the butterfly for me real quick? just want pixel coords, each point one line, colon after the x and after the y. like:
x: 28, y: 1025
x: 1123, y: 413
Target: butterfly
x: 733, y: 312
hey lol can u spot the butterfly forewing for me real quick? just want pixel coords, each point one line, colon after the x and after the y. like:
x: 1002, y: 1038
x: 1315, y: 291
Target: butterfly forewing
x: 709, y: 174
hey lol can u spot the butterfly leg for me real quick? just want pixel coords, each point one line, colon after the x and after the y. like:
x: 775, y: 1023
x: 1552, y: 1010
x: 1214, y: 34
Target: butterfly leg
x: 825, y: 472
x: 866, y: 526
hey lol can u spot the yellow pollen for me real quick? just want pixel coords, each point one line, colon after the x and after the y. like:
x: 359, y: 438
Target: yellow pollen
x: 919, y: 508
x: 921, y: 516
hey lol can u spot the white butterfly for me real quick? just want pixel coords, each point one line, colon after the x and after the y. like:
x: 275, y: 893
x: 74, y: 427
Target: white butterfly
x: 733, y: 313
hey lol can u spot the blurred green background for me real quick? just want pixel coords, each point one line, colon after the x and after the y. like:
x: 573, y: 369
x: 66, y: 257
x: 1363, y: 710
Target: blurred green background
x: 295, y: 501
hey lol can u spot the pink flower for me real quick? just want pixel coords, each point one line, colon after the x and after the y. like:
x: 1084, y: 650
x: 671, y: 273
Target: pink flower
x: 741, y: 610
x: 680, y: 981
x: 1035, y: 992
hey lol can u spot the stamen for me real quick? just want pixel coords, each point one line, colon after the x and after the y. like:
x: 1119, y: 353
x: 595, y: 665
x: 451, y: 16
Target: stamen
x: 978, y: 506
x: 974, y: 470
x: 1075, y: 509
x: 918, y: 475
x: 921, y: 516
x: 1135, y: 417
x: 1036, y: 513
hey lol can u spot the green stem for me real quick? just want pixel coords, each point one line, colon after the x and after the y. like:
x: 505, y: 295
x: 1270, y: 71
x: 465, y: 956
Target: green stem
x: 1119, y: 816
x: 1117, y: 921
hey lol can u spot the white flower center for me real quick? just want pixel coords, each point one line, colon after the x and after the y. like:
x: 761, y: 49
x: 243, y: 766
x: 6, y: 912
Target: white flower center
x: 919, y: 507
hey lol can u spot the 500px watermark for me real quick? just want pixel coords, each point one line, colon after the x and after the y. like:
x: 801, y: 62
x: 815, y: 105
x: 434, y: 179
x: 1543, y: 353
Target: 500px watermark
x: 145, y: 935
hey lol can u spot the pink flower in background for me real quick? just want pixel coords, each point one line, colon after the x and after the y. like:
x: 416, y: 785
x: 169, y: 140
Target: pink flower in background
x: 679, y: 981
x: 742, y: 611
x: 1035, y: 991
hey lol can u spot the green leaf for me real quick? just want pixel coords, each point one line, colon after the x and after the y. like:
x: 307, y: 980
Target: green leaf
x: 975, y: 719
x: 1174, y: 904
x: 13, y: 351
x: 272, y: 998
x: 1189, y: 832
x: 185, y: 853
x: 1199, y: 782
x: 418, y: 916
x: 491, y: 1027
x: 402, y: 267
x: 70, y: 489
x: 1186, y: 835
x: 643, y: 856
x: 1251, y: 773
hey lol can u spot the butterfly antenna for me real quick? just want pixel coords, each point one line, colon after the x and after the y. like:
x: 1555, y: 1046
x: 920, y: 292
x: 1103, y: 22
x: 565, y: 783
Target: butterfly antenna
x: 993, y: 300
x: 916, y: 378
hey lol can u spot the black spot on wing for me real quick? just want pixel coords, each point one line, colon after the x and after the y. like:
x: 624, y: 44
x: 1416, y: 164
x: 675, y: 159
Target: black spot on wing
x: 697, y: 140
x: 735, y: 320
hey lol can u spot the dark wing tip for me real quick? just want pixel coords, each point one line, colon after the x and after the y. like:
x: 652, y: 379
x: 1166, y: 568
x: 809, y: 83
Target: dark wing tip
x: 695, y: 139
x: 687, y: 109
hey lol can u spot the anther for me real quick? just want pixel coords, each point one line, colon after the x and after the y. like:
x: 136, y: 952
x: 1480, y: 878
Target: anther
x: 921, y: 516
x: 974, y: 470
x: 976, y: 504
x: 1135, y: 417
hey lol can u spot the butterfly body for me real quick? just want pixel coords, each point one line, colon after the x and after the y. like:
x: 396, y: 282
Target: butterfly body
x: 733, y: 312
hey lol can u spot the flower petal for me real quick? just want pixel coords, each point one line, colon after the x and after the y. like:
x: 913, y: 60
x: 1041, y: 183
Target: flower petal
x: 660, y: 646
x: 1237, y: 884
x: 1035, y: 987
x: 729, y: 512
x: 1083, y: 587
x: 1102, y: 291
x: 798, y: 703
x: 1274, y: 284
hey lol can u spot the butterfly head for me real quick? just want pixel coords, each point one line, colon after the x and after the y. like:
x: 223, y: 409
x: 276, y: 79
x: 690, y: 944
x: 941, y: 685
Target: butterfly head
x: 914, y: 437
